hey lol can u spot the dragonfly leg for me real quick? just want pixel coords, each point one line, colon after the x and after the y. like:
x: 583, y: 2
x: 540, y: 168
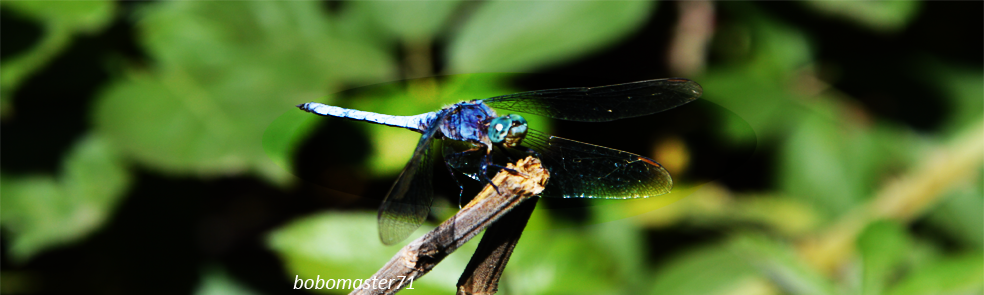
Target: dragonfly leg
x: 484, y: 171
x: 510, y: 170
x: 461, y: 188
x: 512, y: 156
x: 484, y: 174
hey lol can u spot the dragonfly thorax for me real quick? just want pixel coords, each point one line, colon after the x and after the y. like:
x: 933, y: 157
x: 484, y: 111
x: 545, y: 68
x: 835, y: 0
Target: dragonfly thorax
x: 467, y: 121
x: 508, y: 130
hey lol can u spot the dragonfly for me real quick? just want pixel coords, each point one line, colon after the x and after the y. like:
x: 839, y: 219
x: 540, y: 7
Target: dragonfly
x: 473, y: 134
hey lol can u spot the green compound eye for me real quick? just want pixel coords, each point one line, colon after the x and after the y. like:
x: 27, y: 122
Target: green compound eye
x: 508, y: 130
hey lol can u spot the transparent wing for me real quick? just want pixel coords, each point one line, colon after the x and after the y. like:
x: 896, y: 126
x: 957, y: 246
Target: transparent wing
x: 582, y: 170
x: 603, y: 103
x: 408, y: 202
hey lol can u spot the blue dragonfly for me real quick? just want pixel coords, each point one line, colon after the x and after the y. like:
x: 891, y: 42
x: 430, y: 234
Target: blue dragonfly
x: 473, y: 132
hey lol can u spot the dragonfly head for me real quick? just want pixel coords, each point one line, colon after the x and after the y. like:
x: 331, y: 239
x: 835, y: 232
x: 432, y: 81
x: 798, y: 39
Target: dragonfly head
x: 508, y: 130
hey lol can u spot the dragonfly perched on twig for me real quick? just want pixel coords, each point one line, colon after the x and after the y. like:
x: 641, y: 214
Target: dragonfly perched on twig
x: 473, y: 132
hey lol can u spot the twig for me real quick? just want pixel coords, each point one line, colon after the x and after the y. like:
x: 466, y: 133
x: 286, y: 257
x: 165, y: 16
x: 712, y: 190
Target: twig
x: 482, y: 274
x: 421, y: 255
x: 903, y: 199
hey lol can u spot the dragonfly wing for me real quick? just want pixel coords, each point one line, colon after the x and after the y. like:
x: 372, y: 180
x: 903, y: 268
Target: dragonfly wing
x: 603, y: 103
x: 408, y: 202
x: 582, y: 170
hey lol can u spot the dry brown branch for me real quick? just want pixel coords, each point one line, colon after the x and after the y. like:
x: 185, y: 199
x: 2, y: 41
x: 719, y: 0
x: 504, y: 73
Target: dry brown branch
x: 421, y: 255
x: 482, y: 274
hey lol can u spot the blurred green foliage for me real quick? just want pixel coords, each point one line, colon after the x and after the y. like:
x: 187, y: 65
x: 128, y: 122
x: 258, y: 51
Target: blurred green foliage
x: 882, y: 246
x: 335, y: 245
x: 887, y: 16
x: 60, y: 23
x: 43, y: 211
x: 217, y: 282
x: 190, y: 117
x: 508, y: 36
x: 215, y: 99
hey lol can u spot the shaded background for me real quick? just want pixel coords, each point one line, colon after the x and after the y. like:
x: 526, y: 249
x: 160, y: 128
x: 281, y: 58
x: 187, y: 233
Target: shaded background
x: 153, y: 147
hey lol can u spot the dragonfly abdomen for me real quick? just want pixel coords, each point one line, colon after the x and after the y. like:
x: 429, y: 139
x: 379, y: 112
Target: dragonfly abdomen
x: 417, y: 123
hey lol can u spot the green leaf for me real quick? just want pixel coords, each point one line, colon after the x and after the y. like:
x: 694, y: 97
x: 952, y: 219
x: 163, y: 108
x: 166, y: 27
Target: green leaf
x: 624, y: 242
x: 779, y: 263
x: 285, y: 134
x: 828, y: 160
x: 94, y: 172
x: 410, y: 20
x: 761, y: 44
x: 356, y: 22
x: 340, y: 245
x: 28, y: 203
x: 42, y: 212
x: 960, y: 274
x: 883, y: 245
x: 708, y: 270
x: 216, y: 281
x: 758, y: 82
x: 61, y: 20
x: 225, y: 71
x: 960, y: 212
x: 814, y: 164
x: 510, y: 36
x: 884, y: 16
x: 757, y: 99
x: 961, y: 86
x: 83, y: 16
x: 562, y: 261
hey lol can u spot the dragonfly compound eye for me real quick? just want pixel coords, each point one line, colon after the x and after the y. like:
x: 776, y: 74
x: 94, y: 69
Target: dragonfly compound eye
x: 509, y: 130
